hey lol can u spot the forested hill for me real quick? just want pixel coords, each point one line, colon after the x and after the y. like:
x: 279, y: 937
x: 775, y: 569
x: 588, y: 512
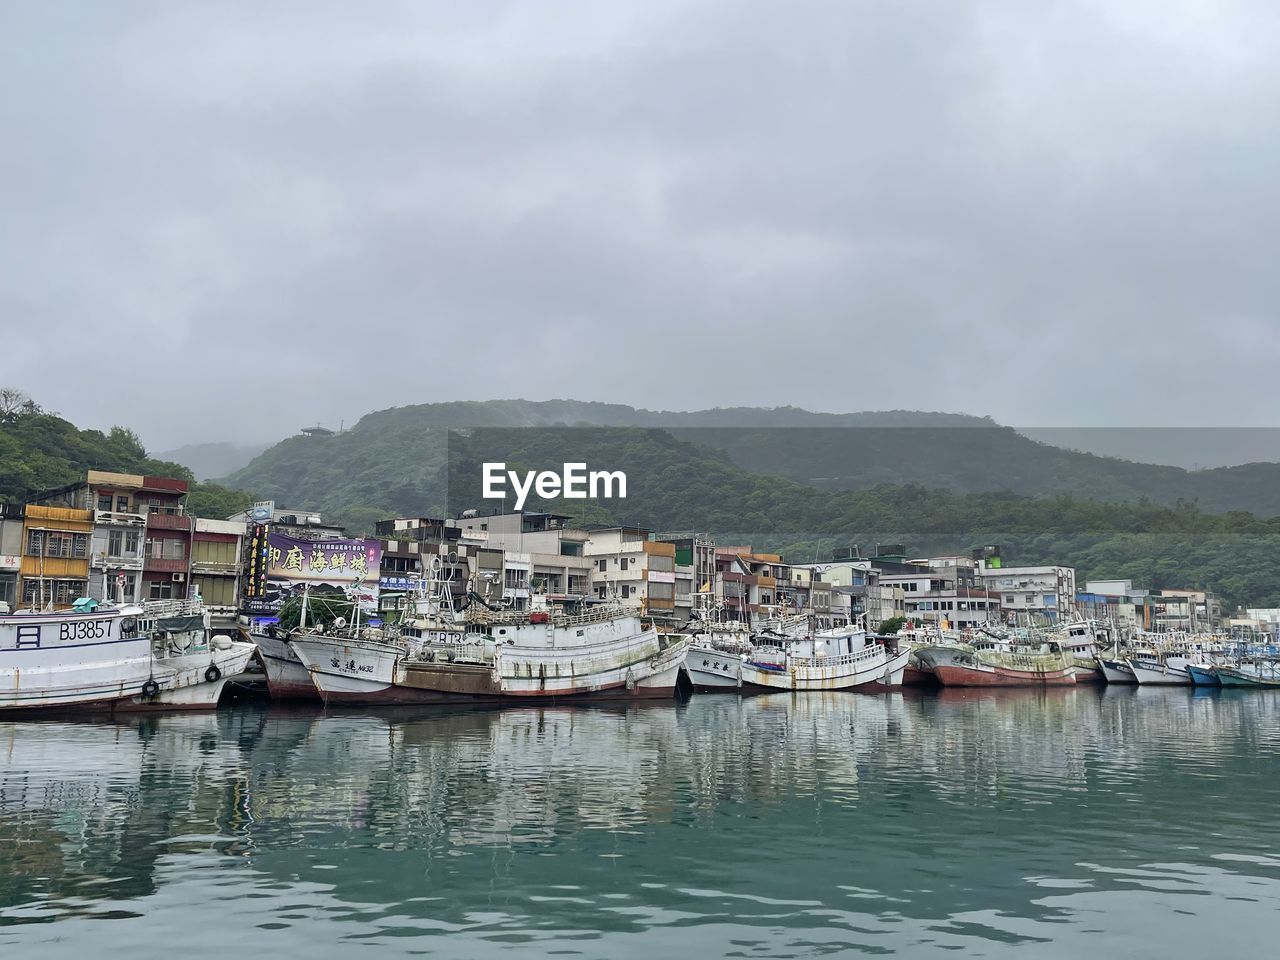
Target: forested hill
x: 40, y: 451
x: 390, y: 457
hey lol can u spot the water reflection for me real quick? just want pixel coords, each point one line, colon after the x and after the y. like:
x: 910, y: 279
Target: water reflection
x: 988, y: 821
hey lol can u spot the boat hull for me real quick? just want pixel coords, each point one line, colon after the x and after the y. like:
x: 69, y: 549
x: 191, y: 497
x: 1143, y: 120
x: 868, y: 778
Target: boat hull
x: 1116, y: 671
x: 878, y: 670
x: 287, y: 678
x: 374, y: 674
x: 1203, y: 675
x: 1159, y: 674
x: 982, y: 675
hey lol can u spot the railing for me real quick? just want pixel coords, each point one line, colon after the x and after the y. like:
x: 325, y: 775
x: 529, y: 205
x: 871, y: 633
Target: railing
x: 168, y: 521
x: 119, y: 518
x: 171, y: 608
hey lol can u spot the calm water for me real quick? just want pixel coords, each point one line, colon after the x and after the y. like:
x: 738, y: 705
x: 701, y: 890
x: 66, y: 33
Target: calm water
x: 1125, y: 822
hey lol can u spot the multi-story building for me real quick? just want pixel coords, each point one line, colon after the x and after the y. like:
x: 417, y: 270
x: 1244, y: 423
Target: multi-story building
x: 1117, y: 602
x: 629, y: 564
x: 11, y: 543
x: 1040, y: 592
x: 54, y: 570
x: 1188, y: 610
x: 411, y: 545
x: 695, y: 568
x: 139, y: 536
x: 217, y: 555
x: 541, y: 555
x: 857, y: 579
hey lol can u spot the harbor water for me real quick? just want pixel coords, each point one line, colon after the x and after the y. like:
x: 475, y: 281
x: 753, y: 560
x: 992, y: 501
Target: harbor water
x: 1123, y: 822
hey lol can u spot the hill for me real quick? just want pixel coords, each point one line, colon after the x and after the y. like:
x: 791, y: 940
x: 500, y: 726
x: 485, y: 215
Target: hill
x: 40, y: 451
x: 390, y: 457
x: 209, y: 460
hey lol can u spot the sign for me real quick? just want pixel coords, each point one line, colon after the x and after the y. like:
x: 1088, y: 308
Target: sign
x: 289, y: 565
x: 263, y: 511
x: 10, y: 562
x: 399, y: 583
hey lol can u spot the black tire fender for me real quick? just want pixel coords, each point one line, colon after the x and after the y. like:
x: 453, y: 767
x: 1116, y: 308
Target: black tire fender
x: 213, y: 674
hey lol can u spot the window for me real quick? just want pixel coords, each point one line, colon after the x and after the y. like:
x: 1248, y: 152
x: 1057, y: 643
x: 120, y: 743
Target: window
x: 35, y: 544
x: 662, y: 591
x: 175, y: 550
x: 602, y: 564
x: 622, y: 564
x: 115, y: 543
x: 160, y: 590
x: 104, y: 502
x: 626, y: 591
x: 131, y: 542
x: 8, y: 592
x: 122, y: 504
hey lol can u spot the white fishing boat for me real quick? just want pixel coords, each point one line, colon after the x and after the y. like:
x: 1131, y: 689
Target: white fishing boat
x: 437, y: 656
x: 1115, y: 669
x: 844, y: 658
x: 287, y: 677
x: 155, y: 656
x: 1160, y: 669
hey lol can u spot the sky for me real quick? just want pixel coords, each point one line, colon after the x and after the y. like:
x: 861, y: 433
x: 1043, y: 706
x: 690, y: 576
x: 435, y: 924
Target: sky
x: 227, y: 221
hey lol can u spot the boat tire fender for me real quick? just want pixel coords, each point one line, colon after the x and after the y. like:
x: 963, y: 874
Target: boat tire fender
x: 213, y: 674
x: 150, y: 690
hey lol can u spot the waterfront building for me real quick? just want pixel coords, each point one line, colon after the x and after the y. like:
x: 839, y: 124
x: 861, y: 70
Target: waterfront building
x: 542, y: 554
x: 11, y: 542
x: 1046, y: 592
x: 628, y: 563
x: 217, y: 557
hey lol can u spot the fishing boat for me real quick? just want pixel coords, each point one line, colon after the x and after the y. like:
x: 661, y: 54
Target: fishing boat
x: 1116, y: 669
x: 844, y: 658
x: 154, y: 656
x: 287, y: 677
x: 1203, y: 675
x: 1159, y: 668
x: 1249, y: 673
x: 437, y: 655
x: 1046, y: 666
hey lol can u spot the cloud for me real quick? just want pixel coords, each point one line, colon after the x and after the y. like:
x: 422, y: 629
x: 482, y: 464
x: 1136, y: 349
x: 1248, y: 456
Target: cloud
x: 230, y: 221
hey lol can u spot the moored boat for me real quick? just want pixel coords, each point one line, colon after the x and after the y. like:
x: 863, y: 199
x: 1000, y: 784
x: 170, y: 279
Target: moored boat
x: 1019, y: 668
x: 158, y: 656
x: 603, y: 653
x: 1203, y: 675
x: 1160, y: 669
x: 1116, y: 670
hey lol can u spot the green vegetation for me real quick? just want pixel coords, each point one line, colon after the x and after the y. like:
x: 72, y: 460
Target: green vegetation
x: 891, y: 626
x: 322, y: 610
x: 40, y: 451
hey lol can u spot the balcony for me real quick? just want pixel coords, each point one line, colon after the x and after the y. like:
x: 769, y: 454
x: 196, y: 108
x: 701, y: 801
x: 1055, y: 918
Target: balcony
x: 104, y: 562
x: 164, y: 565
x: 118, y: 518
x: 168, y: 521
x: 215, y: 568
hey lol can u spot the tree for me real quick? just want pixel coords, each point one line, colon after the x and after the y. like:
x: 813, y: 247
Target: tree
x: 890, y: 626
x: 14, y: 405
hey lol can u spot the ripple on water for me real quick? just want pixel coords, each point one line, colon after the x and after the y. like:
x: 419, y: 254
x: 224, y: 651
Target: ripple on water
x: 775, y: 826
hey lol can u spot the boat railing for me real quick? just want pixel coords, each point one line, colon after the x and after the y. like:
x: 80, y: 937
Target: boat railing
x: 171, y: 608
x: 869, y: 652
x: 522, y: 617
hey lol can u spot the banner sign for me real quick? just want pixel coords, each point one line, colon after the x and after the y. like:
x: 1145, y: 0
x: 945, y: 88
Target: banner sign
x: 291, y: 565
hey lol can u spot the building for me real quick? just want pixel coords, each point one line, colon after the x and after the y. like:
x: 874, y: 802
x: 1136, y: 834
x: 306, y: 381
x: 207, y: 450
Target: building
x: 11, y: 541
x: 217, y: 556
x: 541, y: 554
x: 1192, y: 611
x: 695, y: 569
x: 54, y: 570
x: 136, y: 539
x: 300, y: 524
x: 1046, y: 593
x: 1116, y: 602
x: 859, y: 580
x: 629, y: 564
x: 413, y: 545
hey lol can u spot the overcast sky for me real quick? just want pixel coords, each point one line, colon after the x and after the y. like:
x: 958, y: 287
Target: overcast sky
x: 226, y: 221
